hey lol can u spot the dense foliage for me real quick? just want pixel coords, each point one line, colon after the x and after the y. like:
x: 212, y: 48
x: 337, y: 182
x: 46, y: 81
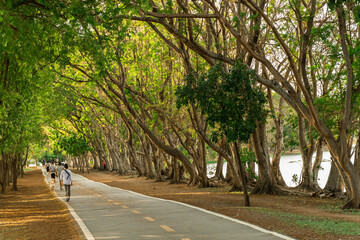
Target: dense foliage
x: 229, y: 100
x: 103, y: 75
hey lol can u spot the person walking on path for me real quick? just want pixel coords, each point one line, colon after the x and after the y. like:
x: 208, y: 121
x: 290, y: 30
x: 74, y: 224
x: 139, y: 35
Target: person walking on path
x: 66, y: 178
x: 47, y: 165
x: 59, y: 169
x: 104, y: 165
x: 53, y: 173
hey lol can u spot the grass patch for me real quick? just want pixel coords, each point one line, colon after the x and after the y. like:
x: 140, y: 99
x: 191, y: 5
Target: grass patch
x: 318, y: 224
x: 337, y: 208
x: 28, y: 169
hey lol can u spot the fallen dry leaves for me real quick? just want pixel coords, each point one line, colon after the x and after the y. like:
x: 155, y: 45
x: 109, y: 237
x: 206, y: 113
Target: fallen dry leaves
x: 33, y: 212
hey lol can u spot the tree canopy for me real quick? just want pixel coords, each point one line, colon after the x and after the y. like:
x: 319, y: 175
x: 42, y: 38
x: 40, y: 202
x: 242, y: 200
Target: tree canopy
x: 109, y: 77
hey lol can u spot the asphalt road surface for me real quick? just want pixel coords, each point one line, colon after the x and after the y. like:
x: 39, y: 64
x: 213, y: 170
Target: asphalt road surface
x: 105, y: 212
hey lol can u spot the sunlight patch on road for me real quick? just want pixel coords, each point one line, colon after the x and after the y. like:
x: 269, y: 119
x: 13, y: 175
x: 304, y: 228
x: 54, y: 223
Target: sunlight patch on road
x: 123, y: 206
x: 134, y: 211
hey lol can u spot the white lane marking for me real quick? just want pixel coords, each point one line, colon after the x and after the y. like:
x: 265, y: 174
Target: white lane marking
x: 134, y: 211
x: 79, y: 221
x: 202, y: 210
x: 123, y: 206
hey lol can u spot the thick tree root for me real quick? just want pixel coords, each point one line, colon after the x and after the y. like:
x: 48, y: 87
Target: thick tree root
x: 159, y: 180
x: 236, y: 189
x: 269, y: 189
x: 350, y: 205
x: 303, y: 186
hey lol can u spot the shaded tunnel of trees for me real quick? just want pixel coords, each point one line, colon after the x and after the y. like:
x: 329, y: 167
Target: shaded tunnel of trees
x: 159, y: 88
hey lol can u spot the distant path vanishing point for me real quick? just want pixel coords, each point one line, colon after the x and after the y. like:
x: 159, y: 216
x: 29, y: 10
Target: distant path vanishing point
x: 105, y: 212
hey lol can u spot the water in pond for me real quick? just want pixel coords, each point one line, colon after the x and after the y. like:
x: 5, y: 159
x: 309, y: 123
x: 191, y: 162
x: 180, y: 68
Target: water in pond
x: 290, y: 165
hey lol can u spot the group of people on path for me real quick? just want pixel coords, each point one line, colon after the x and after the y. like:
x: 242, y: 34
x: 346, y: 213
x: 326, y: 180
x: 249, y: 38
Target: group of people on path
x: 64, y: 174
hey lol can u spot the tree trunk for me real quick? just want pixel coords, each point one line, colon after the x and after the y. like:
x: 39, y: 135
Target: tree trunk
x: 242, y: 173
x: 354, y: 176
x: 333, y: 183
x: 276, y: 175
x: 357, y: 153
x: 223, y: 151
x: 279, y: 146
x: 133, y: 158
x: 22, y: 169
x: 236, y: 181
x: 219, y: 169
x: 104, y: 156
x: 154, y: 139
x: 176, y: 171
x: 148, y: 160
x: 120, y: 161
x: 228, y: 175
x: 113, y: 158
x: 264, y: 183
x: 24, y: 163
x: 156, y: 159
x: 5, y: 172
x: 96, y: 160
x: 307, y: 151
x: 86, y: 159
x: 14, y: 167
x: 352, y: 179
x: 317, y: 163
x: 251, y: 173
x: 205, y: 181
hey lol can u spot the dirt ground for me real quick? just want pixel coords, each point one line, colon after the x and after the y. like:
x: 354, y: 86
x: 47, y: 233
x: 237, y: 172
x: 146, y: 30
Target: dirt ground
x: 33, y: 212
x: 232, y: 204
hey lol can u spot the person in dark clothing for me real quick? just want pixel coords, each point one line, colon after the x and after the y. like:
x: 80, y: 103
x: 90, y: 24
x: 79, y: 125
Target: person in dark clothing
x: 47, y: 167
x: 53, y: 173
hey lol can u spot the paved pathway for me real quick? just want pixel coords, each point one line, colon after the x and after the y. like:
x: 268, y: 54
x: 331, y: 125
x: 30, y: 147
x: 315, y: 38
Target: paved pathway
x: 105, y: 212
